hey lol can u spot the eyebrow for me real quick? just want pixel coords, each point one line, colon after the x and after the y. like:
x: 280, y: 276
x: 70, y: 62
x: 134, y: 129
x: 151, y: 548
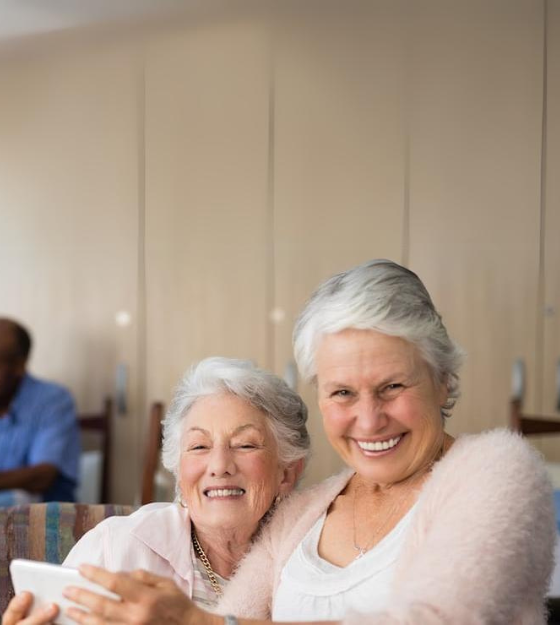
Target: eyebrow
x: 238, y: 430
x: 399, y: 375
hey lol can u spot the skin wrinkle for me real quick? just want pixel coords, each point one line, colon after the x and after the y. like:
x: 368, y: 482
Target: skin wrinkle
x: 237, y: 452
x: 357, y: 404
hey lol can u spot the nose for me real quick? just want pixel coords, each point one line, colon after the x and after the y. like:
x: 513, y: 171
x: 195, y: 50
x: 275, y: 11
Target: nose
x: 370, y: 414
x: 221, y: 462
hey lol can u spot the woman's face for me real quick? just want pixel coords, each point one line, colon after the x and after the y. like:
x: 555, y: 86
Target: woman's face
x: 380, y: 404
x: 230, y: 472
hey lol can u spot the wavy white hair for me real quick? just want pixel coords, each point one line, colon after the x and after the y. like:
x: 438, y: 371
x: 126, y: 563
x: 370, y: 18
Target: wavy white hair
x: 285, y: 411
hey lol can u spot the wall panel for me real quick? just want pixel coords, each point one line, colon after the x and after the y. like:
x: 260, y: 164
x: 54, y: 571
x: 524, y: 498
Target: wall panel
x: 68, y: 215
x: 339, y: 159
x: 206, y: 198
x: 476, y: 104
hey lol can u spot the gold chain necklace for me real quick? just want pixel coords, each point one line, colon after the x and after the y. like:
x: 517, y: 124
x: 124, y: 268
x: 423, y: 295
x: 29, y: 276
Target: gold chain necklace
x: 205, y: 563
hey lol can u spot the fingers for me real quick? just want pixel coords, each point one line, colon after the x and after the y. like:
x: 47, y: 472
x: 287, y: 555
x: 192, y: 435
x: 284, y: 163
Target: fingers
x: 18, y: 608
x: 149, y: 579
x: 100, y: 605
x: 84, y: 618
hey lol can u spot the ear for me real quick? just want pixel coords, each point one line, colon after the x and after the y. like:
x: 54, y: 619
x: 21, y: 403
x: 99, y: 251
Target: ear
x: 290, y: 476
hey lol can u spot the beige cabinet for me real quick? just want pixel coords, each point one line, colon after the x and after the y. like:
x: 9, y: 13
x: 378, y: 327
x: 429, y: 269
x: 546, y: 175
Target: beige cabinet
x: 68, y: 218
x: 338, y: 162
x: 475, y: 168
x: 549, y: 305
x: 206, y: 209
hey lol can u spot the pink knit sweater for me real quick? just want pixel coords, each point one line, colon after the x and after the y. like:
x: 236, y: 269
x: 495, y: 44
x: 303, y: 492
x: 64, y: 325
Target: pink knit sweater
x: 479, y: 550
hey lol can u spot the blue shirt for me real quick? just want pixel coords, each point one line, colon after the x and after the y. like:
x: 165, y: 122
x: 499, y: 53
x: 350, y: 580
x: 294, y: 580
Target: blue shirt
x: 41, y: 427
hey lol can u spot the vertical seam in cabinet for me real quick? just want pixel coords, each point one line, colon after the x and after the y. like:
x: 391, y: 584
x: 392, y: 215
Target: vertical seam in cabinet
x: 141, y: 301
x: 406, y: 94
x: 539, y: 389
x: 270, y: 222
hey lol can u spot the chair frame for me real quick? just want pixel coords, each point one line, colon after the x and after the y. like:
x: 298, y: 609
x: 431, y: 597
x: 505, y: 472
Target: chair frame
x: 101, y: 423
x: 153, y: 448
x: 531, y: 425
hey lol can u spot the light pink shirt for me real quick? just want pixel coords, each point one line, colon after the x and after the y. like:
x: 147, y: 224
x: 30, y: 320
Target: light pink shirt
x: 157, y: 537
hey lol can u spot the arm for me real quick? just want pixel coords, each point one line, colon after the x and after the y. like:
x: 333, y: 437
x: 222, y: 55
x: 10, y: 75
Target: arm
x: 145, y: 599
x: 35, y: 479
x: 55, y: 448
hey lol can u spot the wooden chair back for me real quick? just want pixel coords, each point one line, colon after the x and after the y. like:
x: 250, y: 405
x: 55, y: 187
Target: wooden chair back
x: 531, y: 425
x: 101, y: 424
x: 153, y: 451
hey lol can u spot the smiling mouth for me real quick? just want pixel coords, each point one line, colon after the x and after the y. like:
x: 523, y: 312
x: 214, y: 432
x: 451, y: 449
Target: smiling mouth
x: 215, y: 493
x: 380, y: 445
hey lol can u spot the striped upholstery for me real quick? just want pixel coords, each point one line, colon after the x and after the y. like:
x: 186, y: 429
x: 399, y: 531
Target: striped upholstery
x: 45, y: 531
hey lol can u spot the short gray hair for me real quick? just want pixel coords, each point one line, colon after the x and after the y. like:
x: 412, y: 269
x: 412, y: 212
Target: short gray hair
x: 285, y: 410
x: 383, y: 296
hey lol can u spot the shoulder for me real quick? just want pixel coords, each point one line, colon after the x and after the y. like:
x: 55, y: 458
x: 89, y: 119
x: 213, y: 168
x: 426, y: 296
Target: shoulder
x: 312, y: 500
x: 298, y: 512
x: 45, y: 397
x: 495, y: 458
x: 34, y: 385
x: 145, y: 515
x: 157, y: 528
x: 494, y: 479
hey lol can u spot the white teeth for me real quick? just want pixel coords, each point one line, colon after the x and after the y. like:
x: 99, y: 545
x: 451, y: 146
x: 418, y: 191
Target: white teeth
x: 378, y: 445
x: 225, y: 492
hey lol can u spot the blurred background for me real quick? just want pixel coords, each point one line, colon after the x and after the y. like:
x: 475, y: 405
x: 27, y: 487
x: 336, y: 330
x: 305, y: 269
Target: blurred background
x: 177, y: 177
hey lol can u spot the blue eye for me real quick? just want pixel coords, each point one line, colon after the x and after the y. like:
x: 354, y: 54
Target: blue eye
x: 343, y: 392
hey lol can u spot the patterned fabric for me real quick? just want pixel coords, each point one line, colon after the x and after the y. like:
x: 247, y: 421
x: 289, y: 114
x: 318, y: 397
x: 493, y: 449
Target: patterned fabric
x: 46, y: 532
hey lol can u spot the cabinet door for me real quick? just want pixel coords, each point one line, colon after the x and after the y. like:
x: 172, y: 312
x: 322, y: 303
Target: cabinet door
x: 207, y: 93
x: 68, y: 215
x: 551, y: 234
x: 476, y: 110
x: 339, y: 160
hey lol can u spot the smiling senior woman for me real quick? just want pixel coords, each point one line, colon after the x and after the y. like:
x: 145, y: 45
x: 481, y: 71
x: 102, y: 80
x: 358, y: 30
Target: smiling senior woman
x: 420, y: 529
x: 235, y: 439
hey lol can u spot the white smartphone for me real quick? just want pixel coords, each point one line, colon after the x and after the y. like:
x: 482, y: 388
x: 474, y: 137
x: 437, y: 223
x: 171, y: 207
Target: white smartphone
x: 47, y: 581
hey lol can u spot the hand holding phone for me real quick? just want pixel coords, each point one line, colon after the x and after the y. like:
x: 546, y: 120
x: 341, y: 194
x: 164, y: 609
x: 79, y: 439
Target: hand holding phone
x: 47, y: 581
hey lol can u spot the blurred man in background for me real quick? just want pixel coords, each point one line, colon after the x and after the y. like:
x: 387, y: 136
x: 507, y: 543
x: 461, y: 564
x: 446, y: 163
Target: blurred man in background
x: 39, y: 435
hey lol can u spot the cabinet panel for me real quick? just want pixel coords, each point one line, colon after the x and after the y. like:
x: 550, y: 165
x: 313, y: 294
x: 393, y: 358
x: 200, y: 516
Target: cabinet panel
x: 206, y: 198
x: 551, y: 238
x: 339, y: 160
x: 68, y: 215
x: 476, y: 104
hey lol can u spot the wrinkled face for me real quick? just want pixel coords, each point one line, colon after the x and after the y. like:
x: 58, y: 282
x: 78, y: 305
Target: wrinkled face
x: 12, y: 364
x: 380, y: 404
x: 230, y: 471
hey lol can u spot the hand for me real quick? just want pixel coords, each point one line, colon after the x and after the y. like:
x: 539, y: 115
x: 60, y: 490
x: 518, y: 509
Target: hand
x: 146, y: 599
x: 18, y: 608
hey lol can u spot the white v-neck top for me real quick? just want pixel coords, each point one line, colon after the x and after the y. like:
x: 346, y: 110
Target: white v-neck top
x: 312, y: 589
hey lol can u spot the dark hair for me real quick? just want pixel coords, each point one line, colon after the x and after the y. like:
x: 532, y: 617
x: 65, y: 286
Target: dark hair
x: 24, y: 341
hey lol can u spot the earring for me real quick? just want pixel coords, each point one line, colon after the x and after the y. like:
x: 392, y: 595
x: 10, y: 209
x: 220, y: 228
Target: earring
x: 181, y: 502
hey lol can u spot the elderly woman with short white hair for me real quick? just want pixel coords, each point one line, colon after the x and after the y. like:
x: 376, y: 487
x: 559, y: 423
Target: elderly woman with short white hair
x: 420, y: 529
x: 235, y: 439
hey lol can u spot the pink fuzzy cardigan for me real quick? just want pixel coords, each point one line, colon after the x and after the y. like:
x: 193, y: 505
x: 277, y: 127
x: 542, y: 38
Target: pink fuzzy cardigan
x: 479, y: 550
